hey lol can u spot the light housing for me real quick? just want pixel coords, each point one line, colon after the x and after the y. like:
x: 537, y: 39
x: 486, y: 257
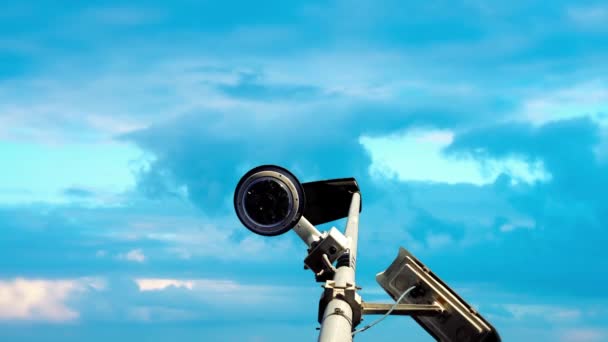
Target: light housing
x: 460, y: 322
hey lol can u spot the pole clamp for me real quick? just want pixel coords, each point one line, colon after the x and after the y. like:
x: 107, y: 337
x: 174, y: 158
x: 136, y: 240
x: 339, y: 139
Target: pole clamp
x: 346, y: 292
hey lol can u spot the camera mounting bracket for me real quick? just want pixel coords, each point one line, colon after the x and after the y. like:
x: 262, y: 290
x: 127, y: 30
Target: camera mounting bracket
x: 324, y: 252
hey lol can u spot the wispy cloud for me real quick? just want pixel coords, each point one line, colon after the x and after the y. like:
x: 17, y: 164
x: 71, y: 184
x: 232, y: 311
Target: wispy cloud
x: 554, y: 314
x: 583, y: 335
x: 135, y: 255
x: 120, y: 16
x: 221, y: 290
x: 587, y: 99
x: 594, y: 17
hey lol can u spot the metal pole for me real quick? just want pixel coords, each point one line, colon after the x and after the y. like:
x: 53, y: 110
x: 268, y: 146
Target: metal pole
x: 307, y: 231
x: 337, y: 319
x: 352, y: 228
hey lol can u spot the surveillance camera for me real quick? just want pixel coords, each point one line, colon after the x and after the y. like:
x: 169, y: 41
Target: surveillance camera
x: 269, y: 200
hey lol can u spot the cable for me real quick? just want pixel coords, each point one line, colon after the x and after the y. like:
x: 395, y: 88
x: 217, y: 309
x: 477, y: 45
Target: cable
x: 328, y: 263
x: 387, y: 313
x: 339, y: 312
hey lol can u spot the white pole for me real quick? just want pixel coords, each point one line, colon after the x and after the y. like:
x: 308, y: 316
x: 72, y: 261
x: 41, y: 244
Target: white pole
x: 337, y: 319
x: 307, y: 231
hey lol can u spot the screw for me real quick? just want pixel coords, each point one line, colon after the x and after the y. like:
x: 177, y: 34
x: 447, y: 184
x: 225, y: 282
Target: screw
x: 418, y: 291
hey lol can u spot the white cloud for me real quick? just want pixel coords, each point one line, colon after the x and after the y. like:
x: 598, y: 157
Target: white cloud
x: 136, y: 255
x: 416, y: 155
x: 583, y: 335
x: 161, y: 284
x: 42, y: 300
x: 96, y: 283
x: 589, y: 99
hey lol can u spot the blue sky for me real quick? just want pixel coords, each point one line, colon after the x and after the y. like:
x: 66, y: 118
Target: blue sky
x: 478, y: 131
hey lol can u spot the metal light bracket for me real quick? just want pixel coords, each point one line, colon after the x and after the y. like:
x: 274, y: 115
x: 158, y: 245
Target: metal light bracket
x: 458, y: 323
x: 402, y: 309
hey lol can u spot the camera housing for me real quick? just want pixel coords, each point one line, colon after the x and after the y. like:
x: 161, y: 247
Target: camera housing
x: 269, y: 200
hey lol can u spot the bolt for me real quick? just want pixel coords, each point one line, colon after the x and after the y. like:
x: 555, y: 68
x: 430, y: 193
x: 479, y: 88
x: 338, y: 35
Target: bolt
x: 418, y: 291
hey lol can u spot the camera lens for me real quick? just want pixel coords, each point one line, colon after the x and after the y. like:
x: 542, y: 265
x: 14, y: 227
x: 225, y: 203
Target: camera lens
x: 267, y: 202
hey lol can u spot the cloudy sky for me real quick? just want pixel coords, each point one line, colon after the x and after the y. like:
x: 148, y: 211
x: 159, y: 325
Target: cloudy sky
x: 478, y: 131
